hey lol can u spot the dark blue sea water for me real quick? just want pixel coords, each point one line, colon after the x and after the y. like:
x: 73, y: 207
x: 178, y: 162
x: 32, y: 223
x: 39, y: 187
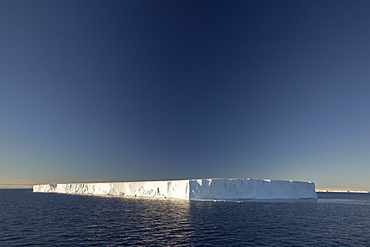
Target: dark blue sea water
x: 41, y: 219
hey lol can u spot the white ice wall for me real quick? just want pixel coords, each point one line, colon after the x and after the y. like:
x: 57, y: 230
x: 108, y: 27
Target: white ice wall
x: 250, y: 189
x: 193, y: 189
x: 165, y: 189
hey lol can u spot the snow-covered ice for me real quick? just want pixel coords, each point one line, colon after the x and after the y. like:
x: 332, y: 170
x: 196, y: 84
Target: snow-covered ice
x: 192, y: 189
x: 164, y: 189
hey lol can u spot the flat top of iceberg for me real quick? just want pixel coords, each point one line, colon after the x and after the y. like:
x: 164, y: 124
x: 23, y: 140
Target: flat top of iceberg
x: 188, y: 179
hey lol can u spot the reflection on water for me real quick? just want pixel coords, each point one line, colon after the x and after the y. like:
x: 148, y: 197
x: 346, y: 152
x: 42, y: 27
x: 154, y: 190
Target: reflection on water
x: 58, y: 219
x: 139, y: 221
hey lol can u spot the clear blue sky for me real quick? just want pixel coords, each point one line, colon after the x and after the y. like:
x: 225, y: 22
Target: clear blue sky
x: 151, y: 90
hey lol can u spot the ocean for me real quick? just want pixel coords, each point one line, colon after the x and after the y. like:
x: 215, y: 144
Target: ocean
x: 43, y: 219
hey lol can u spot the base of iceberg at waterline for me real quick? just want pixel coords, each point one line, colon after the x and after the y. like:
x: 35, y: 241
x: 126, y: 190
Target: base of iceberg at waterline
x: 192, y: 189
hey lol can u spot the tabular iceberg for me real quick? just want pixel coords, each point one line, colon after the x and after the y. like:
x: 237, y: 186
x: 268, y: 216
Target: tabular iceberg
x: 192, y: 189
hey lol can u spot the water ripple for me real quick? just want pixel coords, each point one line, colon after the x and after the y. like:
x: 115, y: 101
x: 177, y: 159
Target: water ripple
x: 38, y: 219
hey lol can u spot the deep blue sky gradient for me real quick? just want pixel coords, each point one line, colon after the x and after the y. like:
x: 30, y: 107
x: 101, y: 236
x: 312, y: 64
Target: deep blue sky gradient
x: 147, y: 90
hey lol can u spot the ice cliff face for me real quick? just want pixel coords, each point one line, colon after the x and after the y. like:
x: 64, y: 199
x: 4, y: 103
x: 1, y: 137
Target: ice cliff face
x: 250, y: 189
x: 193, y: 189
x: 163, y: 189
